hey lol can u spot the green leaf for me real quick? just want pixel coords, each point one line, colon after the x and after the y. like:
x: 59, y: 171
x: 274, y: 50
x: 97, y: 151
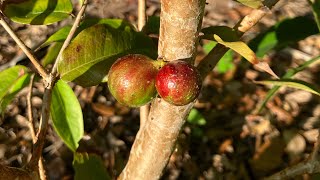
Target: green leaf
x: 152, y: 26
x: 37, y: 12
x: 9, y: 77
x: 58, y: 36
x: 90, y: 55
x: 15, y: 87
x: 226, y: 33
x: 89, y: 166
x: 52, y: 53
x: 252, y: 3
x: 195, y: 117
x: 277, y: 37
x: 62, y: 33
x: 66, y: 115
x: 294, y: 84
x: 225, y: 63
x: 316, y: 11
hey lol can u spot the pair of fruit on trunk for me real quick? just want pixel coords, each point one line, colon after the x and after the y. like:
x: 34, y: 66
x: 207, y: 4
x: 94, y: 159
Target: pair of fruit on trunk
x: 135, y: 79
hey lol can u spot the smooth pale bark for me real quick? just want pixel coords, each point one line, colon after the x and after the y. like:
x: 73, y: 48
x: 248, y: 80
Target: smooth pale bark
x: 179, y: 27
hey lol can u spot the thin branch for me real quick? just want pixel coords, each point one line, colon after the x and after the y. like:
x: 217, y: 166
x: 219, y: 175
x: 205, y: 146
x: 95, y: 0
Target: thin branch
x: 141, y: 14
x: 144, y: 110
x: 70, y: 36
x: 30, y: 113
x: 43, y: 73
x: 305, y: 167
x: 42, y: 171
x: 41, y: 134
x: 310, y: 166
x: 315, y: 152
x: 213, y: 57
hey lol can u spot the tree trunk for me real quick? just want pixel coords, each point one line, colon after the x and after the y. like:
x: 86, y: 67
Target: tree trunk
x: 180, y: 22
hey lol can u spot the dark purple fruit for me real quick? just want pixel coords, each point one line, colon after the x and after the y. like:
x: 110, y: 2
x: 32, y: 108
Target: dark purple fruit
x: 131, y: 80
x: 178, y: 82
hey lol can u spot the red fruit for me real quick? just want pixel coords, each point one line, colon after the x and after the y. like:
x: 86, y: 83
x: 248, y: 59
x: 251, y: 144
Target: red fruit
x: 131, y: 80
x: 178, y: 82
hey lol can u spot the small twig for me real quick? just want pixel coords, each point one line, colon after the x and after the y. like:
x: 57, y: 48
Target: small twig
x: 315, y: 152
x: 43, y: 73
x: 42, y: 171
x: 310, y: 166
x: 144, y: 110
x: 30, y: 113
x: 41, y: 134
x: 141, y: 14
x: 70, y: 36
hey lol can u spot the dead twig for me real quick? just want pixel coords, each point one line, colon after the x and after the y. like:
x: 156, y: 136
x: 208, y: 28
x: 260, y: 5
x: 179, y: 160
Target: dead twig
x: 144, y: 110
x: 42, y: 171
x: 309, y: 166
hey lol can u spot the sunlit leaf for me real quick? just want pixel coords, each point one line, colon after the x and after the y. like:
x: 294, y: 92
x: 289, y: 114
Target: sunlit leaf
x: 239, y: 47
x: 37, y: 12
x: 9, y: 76
x: 294, y: 84
x: 195, y: 117
x: 89, y: 166
x: 90, y: 55
x: 66, y: 115
x: 252, y: 3
x: 244, y: 50
x: 14, y: 80
x: 62, y: 33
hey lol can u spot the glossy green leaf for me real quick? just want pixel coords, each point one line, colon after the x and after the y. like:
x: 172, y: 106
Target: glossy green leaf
x: 315, y: 4
x: 89, y: 166
x: 37, y: 12
x: 9, y: 77
x: 225, y: 63
x: 90, y: 55
x: 195, y: 117
x: 66, y: 115
x: 294, y: 84
x: 16, y: 85
x: 52, y: 53
x: 277, y: 37
x: 62, y: 33
x: 252, y: 3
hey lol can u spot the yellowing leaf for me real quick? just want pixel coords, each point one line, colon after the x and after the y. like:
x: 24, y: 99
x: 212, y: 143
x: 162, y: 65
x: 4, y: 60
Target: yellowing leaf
x: 251, y: 3
x: 239, y: 47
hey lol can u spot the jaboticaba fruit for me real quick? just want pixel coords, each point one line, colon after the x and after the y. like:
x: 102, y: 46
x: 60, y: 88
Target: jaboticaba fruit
x: 131, y: 80
x: 178, y: 82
